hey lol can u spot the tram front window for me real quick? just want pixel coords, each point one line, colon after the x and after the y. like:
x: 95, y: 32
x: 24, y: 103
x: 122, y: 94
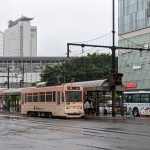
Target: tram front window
x: 73, y: 96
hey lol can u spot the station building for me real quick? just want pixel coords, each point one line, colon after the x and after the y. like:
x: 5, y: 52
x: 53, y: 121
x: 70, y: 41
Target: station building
x: 134, y: 31
x: 27, y: 69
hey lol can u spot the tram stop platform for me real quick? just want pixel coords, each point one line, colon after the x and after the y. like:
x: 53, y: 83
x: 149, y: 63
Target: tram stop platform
x: 89, y: 117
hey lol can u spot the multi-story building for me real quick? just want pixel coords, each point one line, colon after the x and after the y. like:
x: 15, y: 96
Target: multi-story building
x: 134, y: 31
x: 1, y: 43
x: 20, y: 39
x: 27, y: 69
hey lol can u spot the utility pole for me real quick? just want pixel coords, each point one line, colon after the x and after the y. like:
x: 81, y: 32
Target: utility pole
x: 8, y: 78
x: 68, y: 51
x: 113, y: 68
x: 22, y: 80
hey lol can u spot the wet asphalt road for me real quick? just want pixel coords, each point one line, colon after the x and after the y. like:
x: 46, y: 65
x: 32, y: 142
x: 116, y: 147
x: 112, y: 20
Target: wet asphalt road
x: 23, y: 133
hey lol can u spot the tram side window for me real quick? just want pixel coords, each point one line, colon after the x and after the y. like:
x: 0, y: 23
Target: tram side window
x: 62, y: 96
x: 58, y: 97
x: 54, y: 96
x: 136, y: 98
x: 35, y: 97
x: 145, y: 98
x: 29, y: 97
x: 42, y: 97
x: 22, y: 98
x: 48, y: 96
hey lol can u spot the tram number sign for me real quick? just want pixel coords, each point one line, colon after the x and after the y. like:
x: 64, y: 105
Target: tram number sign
x: 73, y: 88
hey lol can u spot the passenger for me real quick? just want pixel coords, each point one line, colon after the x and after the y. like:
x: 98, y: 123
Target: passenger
x: 87, y: 108
x: 91, y: 107
x: 17, y: 106
x: 94, y: 106
x: 1, y: 105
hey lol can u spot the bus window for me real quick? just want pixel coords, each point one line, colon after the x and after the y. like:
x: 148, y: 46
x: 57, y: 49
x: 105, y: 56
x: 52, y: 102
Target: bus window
x: 136, y: 98
x: 73, y: 96
x: 42, y: 97
x: 54, y: 96
x: 58, y: 98
x: 125, y: 98
x: 35, y: 97
x: 128, y: 98
x: 144, y: 98
x: 29, y: 99
x: 48, y: 96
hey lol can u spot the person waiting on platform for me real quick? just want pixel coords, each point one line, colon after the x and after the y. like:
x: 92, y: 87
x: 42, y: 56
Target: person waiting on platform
x: 87, y: 108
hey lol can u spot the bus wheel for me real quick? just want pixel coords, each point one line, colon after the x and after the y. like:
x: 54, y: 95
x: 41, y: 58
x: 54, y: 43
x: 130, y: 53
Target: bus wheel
x: 135, y: 112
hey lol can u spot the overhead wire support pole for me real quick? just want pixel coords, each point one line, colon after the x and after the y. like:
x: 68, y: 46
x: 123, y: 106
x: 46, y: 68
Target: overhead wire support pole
x: 113, y: 68
x: 86, y: 45
x: 68, y: 51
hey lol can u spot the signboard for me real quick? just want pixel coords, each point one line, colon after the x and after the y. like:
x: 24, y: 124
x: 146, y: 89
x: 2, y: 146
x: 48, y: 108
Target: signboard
x: 130, y: 85
x: 137, y: 67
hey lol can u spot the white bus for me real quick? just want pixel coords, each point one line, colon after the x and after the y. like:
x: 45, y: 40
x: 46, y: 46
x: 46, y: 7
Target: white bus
x: 63, y: 101
x: 137, y: 102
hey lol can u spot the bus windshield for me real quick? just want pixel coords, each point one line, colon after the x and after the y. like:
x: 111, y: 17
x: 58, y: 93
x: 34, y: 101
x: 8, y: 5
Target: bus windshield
x: 73, y: 96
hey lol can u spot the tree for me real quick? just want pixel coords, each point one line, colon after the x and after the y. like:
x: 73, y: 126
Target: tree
x: 91, y: 67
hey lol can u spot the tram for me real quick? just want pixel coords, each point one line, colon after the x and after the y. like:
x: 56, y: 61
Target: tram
x: 62, y: 101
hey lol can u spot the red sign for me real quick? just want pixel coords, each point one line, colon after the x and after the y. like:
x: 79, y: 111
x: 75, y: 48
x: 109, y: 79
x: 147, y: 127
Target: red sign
x: 130, y: 85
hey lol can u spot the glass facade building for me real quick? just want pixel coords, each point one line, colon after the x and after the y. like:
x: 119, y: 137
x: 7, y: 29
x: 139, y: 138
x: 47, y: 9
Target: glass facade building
x: 133, y: 15
x: 134, y: 31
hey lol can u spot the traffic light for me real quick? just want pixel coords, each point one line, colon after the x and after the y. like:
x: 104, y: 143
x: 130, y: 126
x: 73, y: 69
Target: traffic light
x: 115, y: 79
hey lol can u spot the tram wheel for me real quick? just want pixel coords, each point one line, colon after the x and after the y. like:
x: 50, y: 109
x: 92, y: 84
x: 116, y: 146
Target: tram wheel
x: 49, y: 115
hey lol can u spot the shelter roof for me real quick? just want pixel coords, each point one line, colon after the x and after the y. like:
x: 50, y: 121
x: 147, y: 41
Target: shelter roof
x: 95, y: 85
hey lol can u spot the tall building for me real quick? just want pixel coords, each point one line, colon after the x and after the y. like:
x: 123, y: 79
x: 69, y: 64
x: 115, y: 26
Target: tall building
x: 134, y: 31
x: 1, y: 43
x: 20, y: 39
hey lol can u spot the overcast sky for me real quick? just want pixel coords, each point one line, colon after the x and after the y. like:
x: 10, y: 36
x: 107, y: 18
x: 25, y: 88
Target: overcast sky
x: 60, y: 21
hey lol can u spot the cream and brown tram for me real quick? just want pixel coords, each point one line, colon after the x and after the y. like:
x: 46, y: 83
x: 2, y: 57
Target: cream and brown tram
x: 61, y: 101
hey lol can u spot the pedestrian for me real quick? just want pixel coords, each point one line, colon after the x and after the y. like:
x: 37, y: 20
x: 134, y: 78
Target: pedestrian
x: 91, y: 107
x: 17, y: 106
x: 1, y: 105
x: 87, y: 108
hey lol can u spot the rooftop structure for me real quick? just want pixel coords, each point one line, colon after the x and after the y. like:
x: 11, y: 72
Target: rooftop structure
x: 13, y: 23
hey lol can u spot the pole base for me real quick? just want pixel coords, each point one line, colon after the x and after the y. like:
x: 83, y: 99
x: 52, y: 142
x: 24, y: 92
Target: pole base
x: 113, y: 113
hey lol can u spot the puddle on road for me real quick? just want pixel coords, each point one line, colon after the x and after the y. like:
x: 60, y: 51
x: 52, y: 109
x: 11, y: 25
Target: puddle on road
x: 11, y: 117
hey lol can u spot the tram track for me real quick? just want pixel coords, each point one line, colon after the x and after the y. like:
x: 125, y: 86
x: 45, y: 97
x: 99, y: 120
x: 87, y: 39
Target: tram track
x: 58, y: 125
